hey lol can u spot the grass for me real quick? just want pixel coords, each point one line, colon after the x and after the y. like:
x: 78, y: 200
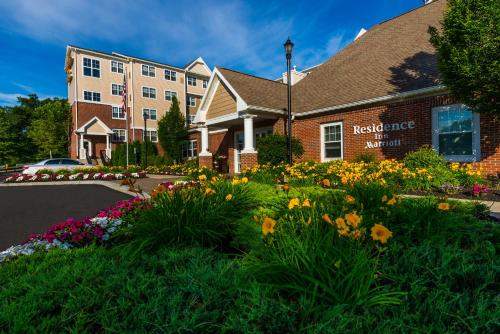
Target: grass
x: 446, y: 263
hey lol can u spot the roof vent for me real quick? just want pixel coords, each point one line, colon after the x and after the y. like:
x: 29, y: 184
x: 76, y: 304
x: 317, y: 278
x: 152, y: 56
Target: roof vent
x: 360, y: 33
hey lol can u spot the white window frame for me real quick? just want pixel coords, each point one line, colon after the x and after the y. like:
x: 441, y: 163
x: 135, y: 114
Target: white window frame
x: 121, y: 113
x: 92, y: 95
x: 193, y: 79
x: 171, y: 95
x: 149, y: 92
x: 190, y: 148
x: 149, y: 72
x: 188, y: 102
x: 322, y: 141
x: 119, y: 131
x: 148, y: 112
x: 91, y: 67
x: 171, y: 74
x: 119, y: 88
x: 205, y: 83
x: 476, y: 135
x: 117, y: 66
x: 148, y: 135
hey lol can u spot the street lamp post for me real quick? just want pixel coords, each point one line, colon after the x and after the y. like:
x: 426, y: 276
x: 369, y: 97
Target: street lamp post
x: 288, y: 51
x: 145, y: 116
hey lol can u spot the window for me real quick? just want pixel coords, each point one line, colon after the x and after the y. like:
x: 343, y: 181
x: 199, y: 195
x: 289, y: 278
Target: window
x: 191, y: 101
x: 53, y: 162
x: 169, y: 95
x: 118, y: 135
x: 149, y: 93
x: 456, y: 133
x: 152, y: 135
x: 170, y: 75
x: 91, y: 96
x: 70, y: 162
x: 148, y: 71
x: 116, y: 66
x: 189, y: 149
x: 205, y: 83
x: 117, y: 113
x: 331, y: 141
x: 190, y: 119
x: 191, y: 80
x: 149, y: 113
x: 116, y: 89
x: 91, y: 67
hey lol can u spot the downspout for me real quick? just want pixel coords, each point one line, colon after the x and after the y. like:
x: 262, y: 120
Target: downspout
x: 76, y: 102
x: 132, y: 109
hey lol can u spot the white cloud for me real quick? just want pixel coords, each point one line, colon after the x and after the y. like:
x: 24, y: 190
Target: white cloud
x: 9, y: 99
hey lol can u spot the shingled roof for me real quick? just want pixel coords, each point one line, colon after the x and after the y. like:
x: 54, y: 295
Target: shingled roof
x: 393, y: 57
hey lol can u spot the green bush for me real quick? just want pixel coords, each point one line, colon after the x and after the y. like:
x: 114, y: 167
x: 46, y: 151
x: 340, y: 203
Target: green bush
x: 273, y: 149
x: 424, y: 157
x: 192, y: 216
x: 365, y: 157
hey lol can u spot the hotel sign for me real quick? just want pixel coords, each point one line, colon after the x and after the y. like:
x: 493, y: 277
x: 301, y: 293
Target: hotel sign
x: 381, y: 133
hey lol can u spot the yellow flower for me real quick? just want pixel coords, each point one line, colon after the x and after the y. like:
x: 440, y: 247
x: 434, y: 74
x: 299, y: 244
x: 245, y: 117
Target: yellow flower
x: 209, y: 191
x: 392, y: 201
x: 343, y: 232
x: 340, y: 222
x: 306, y: 203
x: 268, y: 226
x: 353, y: 219
x: 293, y: 203
x: 235, y: 182
x: 214, y: 179
x: 244, y: 180
x: 384, y: 198
x: 325, y: 183
x: 229, y: 197
x: 350, y: 200
x: 327, y: 219
x: 444, y: 206
x: 356, y: 234
x: 380, y: 233
x: 202, y: 177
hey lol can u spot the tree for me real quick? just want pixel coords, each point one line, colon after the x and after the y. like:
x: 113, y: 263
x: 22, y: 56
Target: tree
x: 172, y: 131
x: 468, y: 49
x: 273, y: 149
x: 49, y: 129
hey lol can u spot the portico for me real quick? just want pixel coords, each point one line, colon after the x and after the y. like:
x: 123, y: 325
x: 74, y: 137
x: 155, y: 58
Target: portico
x: 88, y: 144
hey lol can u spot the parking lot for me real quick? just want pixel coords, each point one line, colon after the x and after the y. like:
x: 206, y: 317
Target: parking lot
x: 32, y: 209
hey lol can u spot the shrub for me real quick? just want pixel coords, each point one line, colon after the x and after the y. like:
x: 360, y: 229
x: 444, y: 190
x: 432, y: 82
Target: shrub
x: 273, y: 149
x: 424, y: 157
x: 365, y: 157
x: 203, y: 216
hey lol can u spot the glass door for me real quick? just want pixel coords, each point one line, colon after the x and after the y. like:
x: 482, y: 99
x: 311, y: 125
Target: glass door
x: 239, y: 143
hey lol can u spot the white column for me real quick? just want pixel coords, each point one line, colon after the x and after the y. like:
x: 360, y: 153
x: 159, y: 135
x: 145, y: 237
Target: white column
x: 108, y: 146
x: 248, y: 134
x: 82, y: 151
x: 204, y: 142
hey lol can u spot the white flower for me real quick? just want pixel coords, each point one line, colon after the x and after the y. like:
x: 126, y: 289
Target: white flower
x: 86, y: 176
x: 59, y: 177
x: 19, y: 179
x: 9, y: 179
x: 45, y: 176
x: 34, y: 178
x: 135, y: 175
x: 74, y: 176
x: 119, y: 176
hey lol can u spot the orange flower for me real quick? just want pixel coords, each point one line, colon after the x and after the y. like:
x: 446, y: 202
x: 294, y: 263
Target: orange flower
x: 268, y: 226
x: 356, y: 234
x: 443, y: 206
x: 306, y: 203
x: 325, y: 183
x: 293, y: 203
x: 209, y: 191
x: 392, y: 201
x: 327, y: 219
x: 286, y: 188
x: 384, y: 198
x: 353, y: 219
x: 350, y: 200
x: 380, y: 233
x: 229, y: 197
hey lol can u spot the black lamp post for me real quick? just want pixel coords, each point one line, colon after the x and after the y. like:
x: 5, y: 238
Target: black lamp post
x: 288, y: 51
x: 145, y: 116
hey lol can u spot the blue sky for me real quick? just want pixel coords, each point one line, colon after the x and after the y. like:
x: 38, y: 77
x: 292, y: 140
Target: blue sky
x: 243, y: 35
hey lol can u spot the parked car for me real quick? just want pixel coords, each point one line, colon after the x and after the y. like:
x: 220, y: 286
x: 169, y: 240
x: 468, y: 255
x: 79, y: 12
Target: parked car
x: 54, y: 164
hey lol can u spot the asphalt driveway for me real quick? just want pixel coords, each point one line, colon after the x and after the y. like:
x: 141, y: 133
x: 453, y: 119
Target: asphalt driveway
x: 33, y: 209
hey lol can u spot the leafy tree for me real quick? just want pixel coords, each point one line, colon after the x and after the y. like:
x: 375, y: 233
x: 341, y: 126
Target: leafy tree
x: 468, y: 49
x: 8, y: 142
x: 273, y: 149
x: 172, y: 131
x: 49, y: 129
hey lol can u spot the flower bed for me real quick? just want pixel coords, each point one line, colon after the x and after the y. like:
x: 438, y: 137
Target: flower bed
x: 77, y: 176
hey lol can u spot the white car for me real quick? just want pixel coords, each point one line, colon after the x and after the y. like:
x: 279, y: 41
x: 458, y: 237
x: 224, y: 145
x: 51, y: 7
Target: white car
x: 55, y: 164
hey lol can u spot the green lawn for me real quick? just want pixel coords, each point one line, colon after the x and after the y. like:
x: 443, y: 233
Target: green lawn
x: 443, y: 267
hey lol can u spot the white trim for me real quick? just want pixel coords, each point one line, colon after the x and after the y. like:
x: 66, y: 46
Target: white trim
x: 192, y: 77
x: 271, y: 110
x: 83, y: 130
x: 83, y: 68
x: 118, y: 89
x: 142, y: 128
x: 124, y: 114
x: 111, y: 66
x: 154, y: 63
x: 148, y: 76
x: 322, y: 140
x: 172, y: 91
x: 218, y: 131
x: 89, y: 142
x: 188, y: 95
x: 476, y: 135
x: 237, y: 158
x: 91, y: 91
x: 149, y: 119
x: 385, y: 98
x: 199, y: 60
x: 221, y: 119
x: 151, y: 98
x: 119, y: 141
x: 167, y: 69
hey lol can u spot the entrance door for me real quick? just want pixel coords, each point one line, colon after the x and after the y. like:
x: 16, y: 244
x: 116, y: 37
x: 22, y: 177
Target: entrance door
x: 87, y: 146
x: 239, y: 144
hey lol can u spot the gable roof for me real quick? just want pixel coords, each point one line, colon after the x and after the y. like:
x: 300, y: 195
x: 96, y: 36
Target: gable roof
x: 394, y: 58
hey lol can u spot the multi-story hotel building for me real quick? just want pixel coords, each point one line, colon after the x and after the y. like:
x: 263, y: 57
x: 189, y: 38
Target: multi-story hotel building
x: 95, y: 91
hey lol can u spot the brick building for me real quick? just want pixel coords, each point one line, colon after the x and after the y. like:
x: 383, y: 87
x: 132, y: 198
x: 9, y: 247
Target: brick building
x: 95, y: 91
x: 381, y: 94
